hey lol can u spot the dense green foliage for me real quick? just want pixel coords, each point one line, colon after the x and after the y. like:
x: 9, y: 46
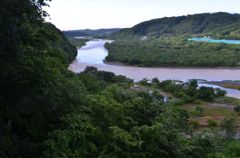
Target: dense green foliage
x: 218, y: 25
x: 173, y: 51
x: 47, y: 111
x: 36, y: 88
x: 117, y: 121
x: 57, y: 41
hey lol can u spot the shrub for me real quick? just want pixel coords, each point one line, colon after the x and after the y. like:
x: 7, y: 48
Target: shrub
x: 220, y: 93
x: 212, y: 123
x: 206, y: 93
x: 237, y: 108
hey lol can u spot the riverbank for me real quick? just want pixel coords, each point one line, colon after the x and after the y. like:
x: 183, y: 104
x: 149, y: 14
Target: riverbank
x: 117, y: 63
x: 226, y: 84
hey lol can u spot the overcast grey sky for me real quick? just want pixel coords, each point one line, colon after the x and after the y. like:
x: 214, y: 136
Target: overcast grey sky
x: 94, y: 14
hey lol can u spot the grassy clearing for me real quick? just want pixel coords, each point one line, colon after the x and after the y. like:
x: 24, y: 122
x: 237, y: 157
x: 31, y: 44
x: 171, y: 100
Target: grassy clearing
x: 227, y: 100
x: 211, y: 112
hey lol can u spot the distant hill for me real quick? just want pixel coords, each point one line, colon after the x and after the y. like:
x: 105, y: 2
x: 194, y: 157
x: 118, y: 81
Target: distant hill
x: 88, y: 32
x: 216, y: 24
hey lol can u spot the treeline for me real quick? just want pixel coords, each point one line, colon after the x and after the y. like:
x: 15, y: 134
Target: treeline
x: 93, y: 33
x: 47, y: 111
x: 78, y: 42
x: 173, y: 52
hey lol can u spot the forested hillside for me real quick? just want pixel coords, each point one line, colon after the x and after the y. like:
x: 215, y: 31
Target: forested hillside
x: 218, y: 25
x: 46, y: 111
x: 34, y: 81
x: 164, y: 42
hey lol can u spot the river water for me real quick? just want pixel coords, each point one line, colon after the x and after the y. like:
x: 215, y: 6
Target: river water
x: 94, y: 53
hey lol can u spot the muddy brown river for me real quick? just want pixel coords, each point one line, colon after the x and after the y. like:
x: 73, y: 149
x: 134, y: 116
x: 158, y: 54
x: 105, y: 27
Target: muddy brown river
x: 94, y: 53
